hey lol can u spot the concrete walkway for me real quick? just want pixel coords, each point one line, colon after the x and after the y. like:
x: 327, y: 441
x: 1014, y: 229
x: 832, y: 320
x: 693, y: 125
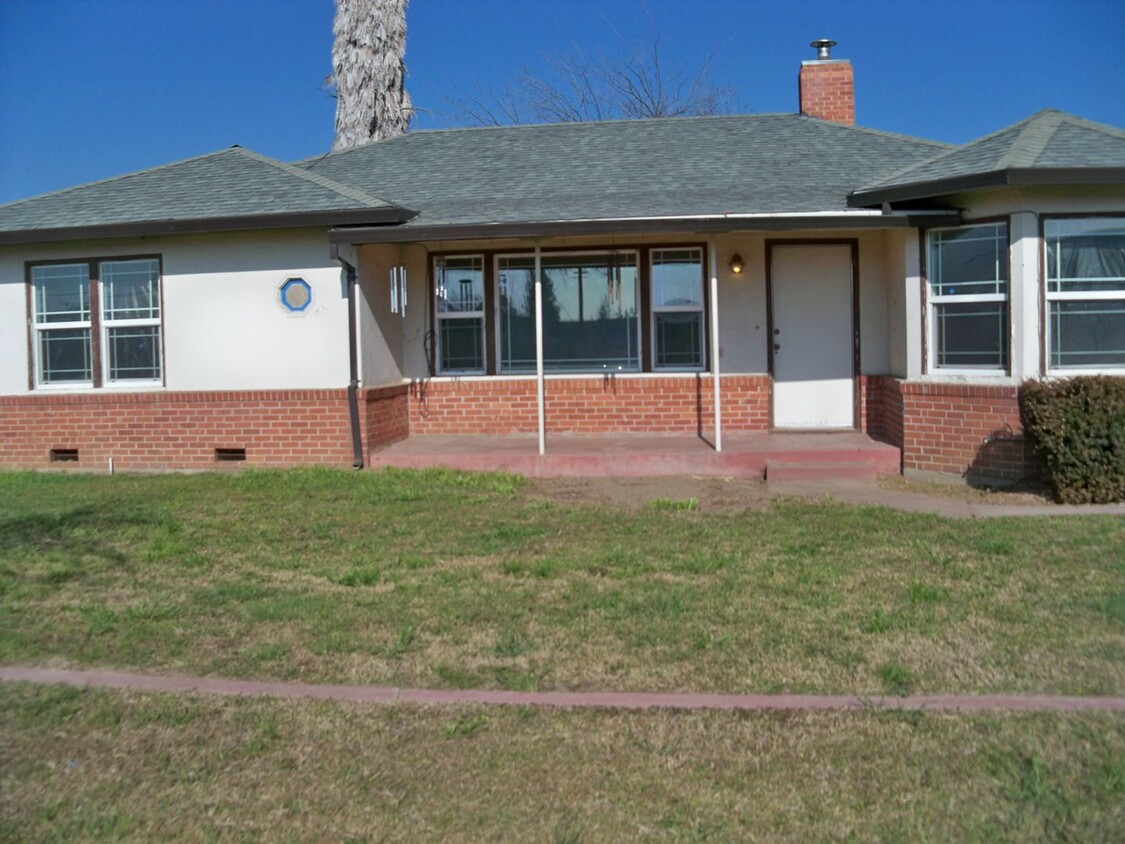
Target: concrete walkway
x: 573, y: 700
x: 870, y: 493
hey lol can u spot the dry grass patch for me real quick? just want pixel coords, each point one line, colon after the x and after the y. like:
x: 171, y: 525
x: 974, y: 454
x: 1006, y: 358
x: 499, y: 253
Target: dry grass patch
x: 91, y: 765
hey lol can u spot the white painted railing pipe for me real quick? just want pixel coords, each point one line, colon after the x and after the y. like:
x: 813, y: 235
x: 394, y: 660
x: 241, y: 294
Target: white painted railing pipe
x: 539, y: 349
x: 715, y: 348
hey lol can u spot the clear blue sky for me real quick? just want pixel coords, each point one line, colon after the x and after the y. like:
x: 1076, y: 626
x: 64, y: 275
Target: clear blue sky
x: 95, y: 88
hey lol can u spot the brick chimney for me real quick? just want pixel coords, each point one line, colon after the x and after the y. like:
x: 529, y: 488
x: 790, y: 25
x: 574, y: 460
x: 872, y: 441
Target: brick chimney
x: 826, y: 87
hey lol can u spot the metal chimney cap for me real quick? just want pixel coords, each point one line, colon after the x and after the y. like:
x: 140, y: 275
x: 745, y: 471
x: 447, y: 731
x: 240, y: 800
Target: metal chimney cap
x: 823, y: 48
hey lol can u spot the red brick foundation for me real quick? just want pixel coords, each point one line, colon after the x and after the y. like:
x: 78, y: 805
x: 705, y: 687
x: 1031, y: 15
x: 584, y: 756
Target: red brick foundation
x: 183, y: 430
x: 951, y: 428
x: 963, y: 429
x: 615, y: 404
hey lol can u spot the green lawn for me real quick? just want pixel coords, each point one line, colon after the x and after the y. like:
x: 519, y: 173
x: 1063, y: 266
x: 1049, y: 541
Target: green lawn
x: 96, y: 766
x: 446, y: 579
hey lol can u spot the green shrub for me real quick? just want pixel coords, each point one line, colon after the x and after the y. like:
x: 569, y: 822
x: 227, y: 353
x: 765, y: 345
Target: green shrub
x: 1078, y: 427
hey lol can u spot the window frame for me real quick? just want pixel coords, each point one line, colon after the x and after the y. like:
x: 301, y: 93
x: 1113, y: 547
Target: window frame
x: 933, y: 301
x: 98, y: 325
x: 638, y: 262
x: 1048, y: 297
x: 439, y: 315
x: 701, y: 309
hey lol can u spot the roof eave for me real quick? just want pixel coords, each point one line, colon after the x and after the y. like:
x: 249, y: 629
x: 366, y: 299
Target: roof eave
x: 1010, y: 177
x: 663, y: 225
x: 373, y: 217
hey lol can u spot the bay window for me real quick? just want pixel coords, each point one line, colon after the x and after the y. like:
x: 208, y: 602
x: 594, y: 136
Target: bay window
x: 96, y: 323
x: 968, y: 298
x: 1085, y: 269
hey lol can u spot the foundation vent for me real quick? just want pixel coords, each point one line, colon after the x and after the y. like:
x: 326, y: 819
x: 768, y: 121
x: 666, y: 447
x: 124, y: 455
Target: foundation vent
x: 230, y: 455
x: 64, y: 455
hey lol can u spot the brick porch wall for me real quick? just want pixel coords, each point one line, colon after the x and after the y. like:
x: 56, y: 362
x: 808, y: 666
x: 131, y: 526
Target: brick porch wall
x: 616, y: 404
x: 176, y: 430
x: 385, y: 415
x: 961, y: 429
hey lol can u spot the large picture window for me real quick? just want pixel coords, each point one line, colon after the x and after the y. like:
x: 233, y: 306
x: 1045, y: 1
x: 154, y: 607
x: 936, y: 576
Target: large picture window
x: 677, y: 308
x: 1085, y: 264
x: 968, y: 298
x: 97, y: 311
x: 459, y: 312
x: 590, y: 313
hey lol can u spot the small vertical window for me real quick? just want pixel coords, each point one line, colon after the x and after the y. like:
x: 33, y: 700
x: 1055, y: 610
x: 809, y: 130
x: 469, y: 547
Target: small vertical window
x: 131, y: 320
x: 1085, y: 293
x: 677, y: 308
x: 459, y: 312
x: 62, y: 324
x: 968, y: 286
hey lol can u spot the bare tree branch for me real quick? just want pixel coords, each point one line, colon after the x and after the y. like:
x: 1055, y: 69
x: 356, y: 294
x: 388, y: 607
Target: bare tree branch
x: 579, y: 87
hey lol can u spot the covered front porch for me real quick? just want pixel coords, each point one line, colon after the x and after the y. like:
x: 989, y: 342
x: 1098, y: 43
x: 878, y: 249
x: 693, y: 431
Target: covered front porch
x: 774, y: 455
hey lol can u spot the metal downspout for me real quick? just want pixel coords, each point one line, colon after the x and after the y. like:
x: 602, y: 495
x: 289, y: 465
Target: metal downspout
x: 353, y: 361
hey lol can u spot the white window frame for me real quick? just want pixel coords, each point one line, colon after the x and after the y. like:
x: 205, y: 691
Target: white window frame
x: 40, y: 327
x: 440, y: 316
x: 96, y: 324
x: 700, y: 309
x: 497, y: 316
x: 136, y: 322
x: 933, y: 301
x: 1072, y: 296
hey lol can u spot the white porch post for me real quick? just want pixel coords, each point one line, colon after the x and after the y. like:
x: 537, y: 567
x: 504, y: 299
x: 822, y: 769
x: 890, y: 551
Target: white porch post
x: 715, y: 347
x: 1023, y: 290
x: 539, y: 349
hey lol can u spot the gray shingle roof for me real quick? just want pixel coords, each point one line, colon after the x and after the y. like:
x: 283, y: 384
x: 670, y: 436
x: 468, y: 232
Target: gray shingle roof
x: 1048, y: 140
x: 233, y: 183
x: 779, y: 163
x: 611, y: 171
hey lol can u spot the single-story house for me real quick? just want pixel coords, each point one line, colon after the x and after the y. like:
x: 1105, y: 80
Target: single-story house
x: 724, y: 274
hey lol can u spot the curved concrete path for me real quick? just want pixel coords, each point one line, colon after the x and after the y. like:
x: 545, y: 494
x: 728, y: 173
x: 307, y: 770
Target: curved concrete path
x: 599, y: 700
x: 870, y: 493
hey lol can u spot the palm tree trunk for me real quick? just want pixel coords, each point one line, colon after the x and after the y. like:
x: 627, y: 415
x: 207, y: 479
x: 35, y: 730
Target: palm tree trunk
x: 369, y: 71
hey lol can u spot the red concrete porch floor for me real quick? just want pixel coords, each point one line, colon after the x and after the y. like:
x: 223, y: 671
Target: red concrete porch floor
x: 777, y: 456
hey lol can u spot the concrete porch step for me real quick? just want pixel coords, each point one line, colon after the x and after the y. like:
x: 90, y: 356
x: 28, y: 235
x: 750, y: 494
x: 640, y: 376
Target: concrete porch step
x: 847, y: 455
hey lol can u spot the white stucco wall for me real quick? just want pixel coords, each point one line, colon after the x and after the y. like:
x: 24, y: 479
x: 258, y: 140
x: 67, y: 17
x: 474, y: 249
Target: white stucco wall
x: 13, y: 323
x: 224, y: 328
x: 895, y: 277
x: 380, y: 330
x: 743, y: 322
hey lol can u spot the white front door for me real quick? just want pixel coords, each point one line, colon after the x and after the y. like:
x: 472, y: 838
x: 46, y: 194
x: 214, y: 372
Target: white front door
x: 813, y: 336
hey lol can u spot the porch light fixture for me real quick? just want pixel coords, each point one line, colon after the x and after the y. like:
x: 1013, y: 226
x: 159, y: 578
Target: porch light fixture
x: 736, y: 264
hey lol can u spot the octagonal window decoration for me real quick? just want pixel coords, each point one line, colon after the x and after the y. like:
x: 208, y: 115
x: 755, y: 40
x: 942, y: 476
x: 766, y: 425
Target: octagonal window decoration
x: 295, y: 295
